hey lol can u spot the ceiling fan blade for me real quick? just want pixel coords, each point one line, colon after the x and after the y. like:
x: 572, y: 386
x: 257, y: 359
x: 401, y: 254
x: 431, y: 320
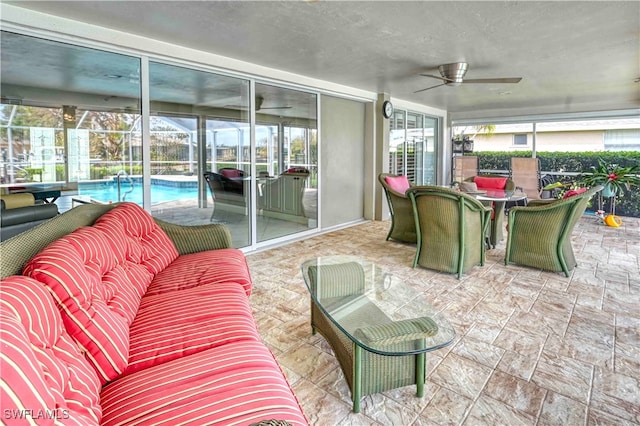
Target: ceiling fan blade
x: 493, y: 80
x: 436, y: 76
x: 428, y: 88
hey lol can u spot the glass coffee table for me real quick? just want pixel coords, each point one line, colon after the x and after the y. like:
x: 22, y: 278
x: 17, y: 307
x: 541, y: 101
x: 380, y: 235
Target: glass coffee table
x: 378, y: 326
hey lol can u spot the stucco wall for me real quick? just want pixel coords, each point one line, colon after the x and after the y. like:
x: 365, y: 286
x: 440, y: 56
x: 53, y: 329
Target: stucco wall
x: 342, y: 160
x: 545, y: 141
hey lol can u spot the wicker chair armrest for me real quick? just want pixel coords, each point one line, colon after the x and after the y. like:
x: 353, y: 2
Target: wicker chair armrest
x: 196, y: 238
x: 398, y: 331
x: 542, y: 202
x: 542, y: 206
x: 543, y: 219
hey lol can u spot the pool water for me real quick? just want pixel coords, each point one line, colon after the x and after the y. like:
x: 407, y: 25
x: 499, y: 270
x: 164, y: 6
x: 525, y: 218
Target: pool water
x: 108, y: 192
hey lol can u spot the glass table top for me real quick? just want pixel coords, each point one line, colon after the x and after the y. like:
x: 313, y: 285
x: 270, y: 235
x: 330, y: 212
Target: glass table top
x: 374, y: 308
x: 499, y: 195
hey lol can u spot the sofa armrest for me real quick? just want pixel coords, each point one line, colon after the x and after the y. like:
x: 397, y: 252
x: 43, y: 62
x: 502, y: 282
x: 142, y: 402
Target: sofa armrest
x: 196, y: 238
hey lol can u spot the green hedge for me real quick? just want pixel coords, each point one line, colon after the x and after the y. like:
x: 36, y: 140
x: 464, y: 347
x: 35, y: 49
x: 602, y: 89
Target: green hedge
x: 627, y: 204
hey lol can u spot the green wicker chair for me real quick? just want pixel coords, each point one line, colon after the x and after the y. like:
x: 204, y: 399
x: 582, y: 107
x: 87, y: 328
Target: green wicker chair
x: 403, y: 227
x: 540, y: 233
x: 451, y: 229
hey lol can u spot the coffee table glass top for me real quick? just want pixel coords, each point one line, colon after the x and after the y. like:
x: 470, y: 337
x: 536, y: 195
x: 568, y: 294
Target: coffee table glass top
x: 374, y: 308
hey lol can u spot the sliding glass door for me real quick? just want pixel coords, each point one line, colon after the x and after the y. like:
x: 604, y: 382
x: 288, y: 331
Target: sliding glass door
x: 412, y: 146
x: 220, y: 148
x: 200, y: 148
x: 286, y: 163
x: 69, y: 118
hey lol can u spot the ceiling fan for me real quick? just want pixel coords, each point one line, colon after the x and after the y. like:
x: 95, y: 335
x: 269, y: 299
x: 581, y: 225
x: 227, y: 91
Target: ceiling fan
x: 453, y: 75
x: 259, y: 107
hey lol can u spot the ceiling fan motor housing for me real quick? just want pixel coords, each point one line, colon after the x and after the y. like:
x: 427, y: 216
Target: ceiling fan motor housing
x: 453, y: 73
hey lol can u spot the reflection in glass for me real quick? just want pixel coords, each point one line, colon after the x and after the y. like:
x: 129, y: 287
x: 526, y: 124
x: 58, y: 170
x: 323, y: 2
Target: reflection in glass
x: 200, y: 123
x: 74, y: 121
x: 286, y: 161
x: 71, y: 121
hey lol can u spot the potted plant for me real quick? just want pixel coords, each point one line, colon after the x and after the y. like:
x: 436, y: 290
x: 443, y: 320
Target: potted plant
x: 615, y: 179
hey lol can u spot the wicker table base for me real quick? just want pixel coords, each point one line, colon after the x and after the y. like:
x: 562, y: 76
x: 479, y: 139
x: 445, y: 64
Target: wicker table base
x: 378, y: 327
x: 368, y: 373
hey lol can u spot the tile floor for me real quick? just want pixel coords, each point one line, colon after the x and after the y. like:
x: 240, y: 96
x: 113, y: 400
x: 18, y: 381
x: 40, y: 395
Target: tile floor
x: 532, y: 347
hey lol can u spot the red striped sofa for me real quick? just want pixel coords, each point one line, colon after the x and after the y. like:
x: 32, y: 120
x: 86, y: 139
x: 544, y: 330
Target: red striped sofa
x: 108, y: 316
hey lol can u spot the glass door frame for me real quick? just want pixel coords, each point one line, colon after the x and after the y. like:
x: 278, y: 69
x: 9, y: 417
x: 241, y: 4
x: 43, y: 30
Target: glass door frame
x: 436, y: 143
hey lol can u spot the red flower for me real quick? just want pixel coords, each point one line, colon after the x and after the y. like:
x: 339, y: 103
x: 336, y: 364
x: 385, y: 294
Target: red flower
x: 612, y: 176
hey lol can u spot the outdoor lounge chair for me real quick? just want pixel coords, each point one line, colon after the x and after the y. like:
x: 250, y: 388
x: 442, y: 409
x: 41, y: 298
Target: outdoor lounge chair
x: 403, y: 227
x: 464, y: 167
x: 225, y: 190
x: 451, y: 227
x: 284, y: 194
x: 540, y: 233
x: 525, y: 173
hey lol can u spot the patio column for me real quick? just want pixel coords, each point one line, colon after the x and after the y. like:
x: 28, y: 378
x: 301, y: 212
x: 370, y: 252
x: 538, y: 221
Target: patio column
x: 381, y: 141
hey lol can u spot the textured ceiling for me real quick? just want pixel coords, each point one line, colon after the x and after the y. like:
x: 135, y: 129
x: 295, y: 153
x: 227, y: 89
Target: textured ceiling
x: 572, y: 56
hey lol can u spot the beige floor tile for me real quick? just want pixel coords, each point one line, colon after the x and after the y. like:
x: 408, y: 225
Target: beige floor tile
x: 616, y: 394
x: 461, y: 375
x: 521, y: 395
x: 532, y: 347
x: 489, y: 412
x: 446, y: 408
x: 517, y: 365
x: 562, y: 411
x: 564, y: 375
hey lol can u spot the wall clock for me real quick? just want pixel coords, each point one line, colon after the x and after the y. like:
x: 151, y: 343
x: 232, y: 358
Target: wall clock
x: 387, y: 109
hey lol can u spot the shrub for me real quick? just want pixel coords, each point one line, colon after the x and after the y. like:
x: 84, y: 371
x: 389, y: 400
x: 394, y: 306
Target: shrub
x: 573, y: 163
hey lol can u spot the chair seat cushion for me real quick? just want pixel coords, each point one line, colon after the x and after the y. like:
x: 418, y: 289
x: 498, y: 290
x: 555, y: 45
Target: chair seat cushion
x: 574, y: 192
x: 484, y: 182
x: 468, y: 187
x: 203, y: 268
x: 231, y: 173
x: 175, y: 324
x: 397, y: 183
x: 239, y: 383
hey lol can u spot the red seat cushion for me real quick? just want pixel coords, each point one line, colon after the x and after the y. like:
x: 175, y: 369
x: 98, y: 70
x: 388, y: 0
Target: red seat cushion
x: 206, y: 267
x: 174, y: 324
x: 397, y: 183
x: 231, y: 173
x: 43, y: 375
x: 573, y: 192
x: 484, y: 182
x: 238, y: 383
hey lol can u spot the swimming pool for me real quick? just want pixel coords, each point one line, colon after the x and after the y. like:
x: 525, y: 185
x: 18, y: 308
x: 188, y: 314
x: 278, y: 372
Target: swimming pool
x: 160, y: 191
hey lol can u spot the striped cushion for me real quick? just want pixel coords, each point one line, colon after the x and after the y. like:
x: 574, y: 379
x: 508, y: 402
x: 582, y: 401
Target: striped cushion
x: 239, y: 383
x: 207, y: 267
x: 339, y: 280
x: 133, y: 228
x: 175, y: 324
x: 97, y: 297
x: 41, y: 369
